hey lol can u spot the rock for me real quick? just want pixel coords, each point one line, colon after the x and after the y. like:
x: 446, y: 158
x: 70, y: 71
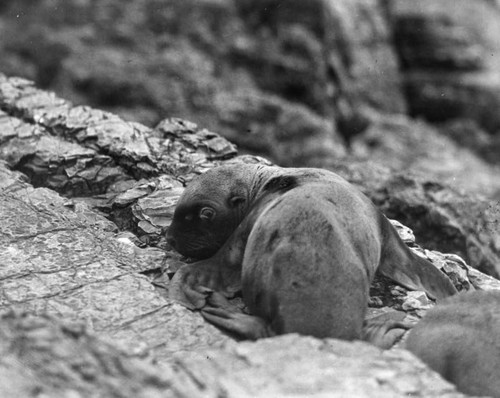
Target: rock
x: 469, y: 134
x: 292, y: 81
x: 41, y: 355
x: 84, y: 152
x: 403, y: 144
x: 315, y: 70
x: 450, y: 51
x: 52, y: 162
x: 288, y: 133
x: 450, y: 222
x: 264, y: 368
x: 317, y: 52
x: 66, y: 262
x: 137, y: 148
x: 442, y: 218
x: 44, y: 356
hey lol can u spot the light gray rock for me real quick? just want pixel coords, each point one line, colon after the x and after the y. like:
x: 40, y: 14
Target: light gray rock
x: 42, y: 355
x: 67, y: 262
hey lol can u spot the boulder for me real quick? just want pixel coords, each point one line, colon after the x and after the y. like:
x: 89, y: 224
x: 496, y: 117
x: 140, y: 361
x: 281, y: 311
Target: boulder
x: 44, y: 355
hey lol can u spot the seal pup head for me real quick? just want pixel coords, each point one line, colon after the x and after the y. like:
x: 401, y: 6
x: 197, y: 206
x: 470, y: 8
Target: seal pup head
x: 210, y: 209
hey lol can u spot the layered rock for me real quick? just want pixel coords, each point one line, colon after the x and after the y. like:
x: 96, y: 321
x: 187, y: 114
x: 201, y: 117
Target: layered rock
x: 42, y: 355
x: 318, y: 62
x: 120, y: 168
x: 61, y: 259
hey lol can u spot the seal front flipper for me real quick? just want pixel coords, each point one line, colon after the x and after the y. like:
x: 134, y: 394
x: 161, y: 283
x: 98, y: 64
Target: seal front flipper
x: 385, y: 330
x: 183, y: 288
x: 226, y: 316
x: 192, y: 283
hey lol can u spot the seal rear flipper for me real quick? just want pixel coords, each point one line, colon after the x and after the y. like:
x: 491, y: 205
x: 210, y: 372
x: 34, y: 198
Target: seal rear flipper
x: 403, y: 266
x: 193, y: 283
x: 226, y: 316
x: 415, y: 273
x: 385, y: 330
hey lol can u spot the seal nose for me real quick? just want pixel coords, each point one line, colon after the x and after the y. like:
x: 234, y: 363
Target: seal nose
x: 171, y: 241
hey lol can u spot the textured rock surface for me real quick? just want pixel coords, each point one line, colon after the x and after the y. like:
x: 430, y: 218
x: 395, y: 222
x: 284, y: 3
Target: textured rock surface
x: 402, y: 144
x: 467, y: 133
x: 83, y: 152
x: 40, y: 356
x: 70, y: 149
x: 60, y: 257
x: 456, y: 223
x: 328, y: 370
x: 290, y: 134
x: 442, y: 218
x: 65, y: 260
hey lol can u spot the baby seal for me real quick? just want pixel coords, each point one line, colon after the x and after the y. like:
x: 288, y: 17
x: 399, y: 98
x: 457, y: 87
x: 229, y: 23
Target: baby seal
x: 460, y: 339
x: 302, y: 244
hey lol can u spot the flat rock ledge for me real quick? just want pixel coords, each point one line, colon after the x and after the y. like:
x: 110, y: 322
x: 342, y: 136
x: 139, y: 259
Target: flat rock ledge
x: 81, y: 313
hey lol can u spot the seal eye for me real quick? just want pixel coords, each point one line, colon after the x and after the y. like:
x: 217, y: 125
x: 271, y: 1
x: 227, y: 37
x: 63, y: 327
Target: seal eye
x: 207, y: 213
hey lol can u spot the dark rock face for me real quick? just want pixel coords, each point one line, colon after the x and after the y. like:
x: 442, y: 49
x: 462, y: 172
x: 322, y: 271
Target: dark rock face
x: 450, y: 52
x: 328, y: 48
x: 445, y: 220
x: 291, y: 134
x: 400, y: 143
x: 312, y: 61
x: 293, y: 81
x: 468, y: 134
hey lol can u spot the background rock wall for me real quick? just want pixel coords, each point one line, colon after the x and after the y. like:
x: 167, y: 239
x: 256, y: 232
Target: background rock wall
x: 450, y: 57
x: 291, y: 80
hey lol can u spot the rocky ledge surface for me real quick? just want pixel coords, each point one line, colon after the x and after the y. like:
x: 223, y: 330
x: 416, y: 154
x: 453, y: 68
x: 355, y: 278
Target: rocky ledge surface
x: 84, y: 271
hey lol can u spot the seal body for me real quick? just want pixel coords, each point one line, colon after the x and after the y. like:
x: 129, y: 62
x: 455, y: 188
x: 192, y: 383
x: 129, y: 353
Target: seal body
x: 460, y: 339
x: 305, y: 255
x: 304, y: 250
